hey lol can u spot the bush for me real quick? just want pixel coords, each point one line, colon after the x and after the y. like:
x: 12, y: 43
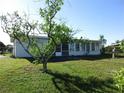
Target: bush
x: 2, y: 48
x: 119, y: 80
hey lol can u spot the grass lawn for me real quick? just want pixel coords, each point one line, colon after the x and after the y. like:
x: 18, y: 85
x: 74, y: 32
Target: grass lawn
x: 79, y: 76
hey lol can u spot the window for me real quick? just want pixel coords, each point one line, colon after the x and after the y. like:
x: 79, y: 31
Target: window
x: 65, y: 47
x: 83, y: 47
x: 58, y: 48
x: 71, y: 46
x: 93, y: 46
x: 77, y: 46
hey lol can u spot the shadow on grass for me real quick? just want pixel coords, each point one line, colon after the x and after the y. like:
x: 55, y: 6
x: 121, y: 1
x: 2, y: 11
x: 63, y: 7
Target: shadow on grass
x: 72, y: 58
x: 66, y: 83
x: 89, y: 57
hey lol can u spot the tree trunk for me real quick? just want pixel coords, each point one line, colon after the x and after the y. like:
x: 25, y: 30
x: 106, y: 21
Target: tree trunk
x: 44, y: 67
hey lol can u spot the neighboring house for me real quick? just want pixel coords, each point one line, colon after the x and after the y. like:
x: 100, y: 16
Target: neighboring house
x: 90, y: 47
x: 108, y: 49
x: 9, y: 48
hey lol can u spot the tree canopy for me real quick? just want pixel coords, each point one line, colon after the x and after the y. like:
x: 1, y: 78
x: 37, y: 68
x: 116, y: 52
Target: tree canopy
x: 24, y: 31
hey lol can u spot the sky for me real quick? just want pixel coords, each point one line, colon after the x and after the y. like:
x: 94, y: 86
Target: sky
x: 91, y: 18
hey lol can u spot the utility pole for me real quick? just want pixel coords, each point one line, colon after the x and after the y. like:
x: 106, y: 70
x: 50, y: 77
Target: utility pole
x: 113, y: 53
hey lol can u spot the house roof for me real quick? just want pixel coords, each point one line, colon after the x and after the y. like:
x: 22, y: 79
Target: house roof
x: 74, y: 39
x: 46, y: 37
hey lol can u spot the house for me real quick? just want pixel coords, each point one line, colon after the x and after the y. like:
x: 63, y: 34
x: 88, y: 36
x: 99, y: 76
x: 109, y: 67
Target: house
x: 109, y: 49
x: 89, y: 47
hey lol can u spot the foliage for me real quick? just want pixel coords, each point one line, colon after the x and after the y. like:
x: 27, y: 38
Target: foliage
x: 9, y: 48
x: 18, y: 28
x: 119, y: 79
x: 27, y: 32
x: 118, y: 45
x: 122, y: 45
x: 2, y: 48
x: 108, y: 49
x: 103, y: 42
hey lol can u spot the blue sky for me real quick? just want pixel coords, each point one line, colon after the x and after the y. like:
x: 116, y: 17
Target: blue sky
x: 91, y: 17
x: 96, y: 17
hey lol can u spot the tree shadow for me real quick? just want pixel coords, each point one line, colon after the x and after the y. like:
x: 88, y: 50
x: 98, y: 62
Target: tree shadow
x: 89, y: 57
x: 66, y: 83
x: 71, y: 58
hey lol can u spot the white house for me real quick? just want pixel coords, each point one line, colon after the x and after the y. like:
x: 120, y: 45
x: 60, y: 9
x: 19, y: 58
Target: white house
x: 92, y: 47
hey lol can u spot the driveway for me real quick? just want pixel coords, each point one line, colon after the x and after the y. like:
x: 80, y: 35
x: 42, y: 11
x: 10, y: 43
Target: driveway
x: 1, y: 56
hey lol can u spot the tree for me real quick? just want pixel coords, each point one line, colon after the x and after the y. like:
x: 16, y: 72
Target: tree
x: 2, y: 48
x: 103, y: 42
x: 122, y: 45
x: 117, y: 41
x: 9, y: 48
x: 24, y: 31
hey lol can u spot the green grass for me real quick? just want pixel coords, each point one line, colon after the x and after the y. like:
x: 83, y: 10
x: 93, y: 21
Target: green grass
x: 79, y: 76
x: 6, y: 54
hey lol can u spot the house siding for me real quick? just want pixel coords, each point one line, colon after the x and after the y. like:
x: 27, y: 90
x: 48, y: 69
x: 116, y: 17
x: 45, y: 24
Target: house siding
x: 19, y: 51
x: 87, y: 51
x: 68, y: 49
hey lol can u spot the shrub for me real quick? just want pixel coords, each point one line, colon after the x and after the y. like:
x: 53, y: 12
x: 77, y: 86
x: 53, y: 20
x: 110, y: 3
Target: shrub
x: 119, y: 80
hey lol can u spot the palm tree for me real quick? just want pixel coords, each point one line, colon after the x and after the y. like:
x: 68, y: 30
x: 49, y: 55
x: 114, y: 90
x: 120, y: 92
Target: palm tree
x: 103, y: 42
